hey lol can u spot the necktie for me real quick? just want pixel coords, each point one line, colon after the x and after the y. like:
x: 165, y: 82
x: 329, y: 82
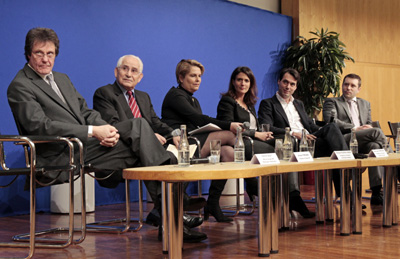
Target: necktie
x: 354, y: 112
x: 133, y: 105
x: 54, y: 86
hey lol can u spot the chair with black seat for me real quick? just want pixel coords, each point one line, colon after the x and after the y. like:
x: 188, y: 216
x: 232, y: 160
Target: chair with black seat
x: 29, y: 143
x: 393, y: 126
x: 87, y: 169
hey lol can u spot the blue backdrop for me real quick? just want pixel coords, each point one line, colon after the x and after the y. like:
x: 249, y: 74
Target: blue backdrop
x: 95, y: 33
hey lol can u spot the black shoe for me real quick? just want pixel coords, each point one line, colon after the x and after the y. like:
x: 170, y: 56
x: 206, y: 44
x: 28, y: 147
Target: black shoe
x: 296, y: 203
x: 377, y: 199
x: 189, y: 235
x: 191, y: 204
x: 216, y: 212
x: 192, y: 222
x: 192, y: 236
x: 153, y: 219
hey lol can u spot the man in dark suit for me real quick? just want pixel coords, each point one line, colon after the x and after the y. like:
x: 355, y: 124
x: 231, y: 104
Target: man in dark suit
x: 115, y: 104
x: 282, y: 111
x: 358, y: 118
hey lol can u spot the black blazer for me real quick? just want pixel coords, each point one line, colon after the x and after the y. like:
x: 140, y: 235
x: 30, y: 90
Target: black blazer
x: 229, y: 110
x: 271, y: 112
x: 111, y: 103
x: 180, y: 107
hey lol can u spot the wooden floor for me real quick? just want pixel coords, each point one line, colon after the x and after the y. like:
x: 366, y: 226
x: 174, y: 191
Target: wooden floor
x: 305, y: 239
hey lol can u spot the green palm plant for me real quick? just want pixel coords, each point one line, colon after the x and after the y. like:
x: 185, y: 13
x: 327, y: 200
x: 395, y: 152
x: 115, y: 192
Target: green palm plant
x: 320, y: 62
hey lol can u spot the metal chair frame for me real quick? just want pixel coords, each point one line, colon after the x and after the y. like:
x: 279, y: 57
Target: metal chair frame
x: 31, y: 170
x: 238, y: 207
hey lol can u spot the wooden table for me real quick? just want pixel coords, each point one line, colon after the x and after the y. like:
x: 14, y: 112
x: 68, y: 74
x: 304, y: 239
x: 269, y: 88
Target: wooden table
x: 173, y: 177
x: 390, y: 210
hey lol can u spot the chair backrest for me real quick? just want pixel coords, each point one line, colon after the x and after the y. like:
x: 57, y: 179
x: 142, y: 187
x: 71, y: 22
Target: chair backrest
x: 376, y: 124
x: 393, y: 126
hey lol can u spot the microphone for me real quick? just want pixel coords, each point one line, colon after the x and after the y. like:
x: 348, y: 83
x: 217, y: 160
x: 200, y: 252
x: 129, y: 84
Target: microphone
x: 333, y: 116
x: 176, y: 133
x: 246, y: 125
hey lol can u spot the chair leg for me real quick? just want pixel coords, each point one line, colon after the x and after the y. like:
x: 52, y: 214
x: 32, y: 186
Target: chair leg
x: 105, y: 226
x: 239, y: 208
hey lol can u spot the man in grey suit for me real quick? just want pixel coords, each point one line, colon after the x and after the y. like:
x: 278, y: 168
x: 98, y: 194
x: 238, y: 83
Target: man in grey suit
x: 113, y: 101
x: 353, y: 112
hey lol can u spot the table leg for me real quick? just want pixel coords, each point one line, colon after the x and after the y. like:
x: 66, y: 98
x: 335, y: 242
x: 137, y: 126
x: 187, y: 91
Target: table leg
x: 274, y: 208
x: 175, y: 220
x: 164, y: 217
x: 319, y: 197
x: 264, y: 217
x: 395, y: 197
x: 387, y: 197
x: 328, y: 196
x: 285, y: 201
x: 345, y: 202
x: 357, y: 205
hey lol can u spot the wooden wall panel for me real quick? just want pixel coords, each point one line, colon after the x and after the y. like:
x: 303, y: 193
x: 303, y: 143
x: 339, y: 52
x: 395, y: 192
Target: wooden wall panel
x: 369, y: 28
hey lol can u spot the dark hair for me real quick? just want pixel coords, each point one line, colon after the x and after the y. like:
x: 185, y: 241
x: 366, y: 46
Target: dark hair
x: 183, y: 68
x: 293, y: 72
x: 40, y: 35
x: 353, y: 76
x: 250, y: 98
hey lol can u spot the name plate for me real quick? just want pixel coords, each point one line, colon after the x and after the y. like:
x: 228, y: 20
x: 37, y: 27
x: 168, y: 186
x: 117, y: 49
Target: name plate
x: 342, y: 155
x: 265, y: 159
x: 378, y: 153
x: 301, y: 157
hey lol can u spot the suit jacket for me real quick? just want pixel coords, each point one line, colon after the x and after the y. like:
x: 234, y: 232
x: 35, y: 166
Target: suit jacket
x: 229, y: 110
x: 343, y: 117
x: 271, y: 112
x: 110, y: 101
x: 38, y: 110
x: 180, y: 107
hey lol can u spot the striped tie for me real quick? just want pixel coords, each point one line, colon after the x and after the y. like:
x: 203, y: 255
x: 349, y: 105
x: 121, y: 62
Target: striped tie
x: 133, y: 105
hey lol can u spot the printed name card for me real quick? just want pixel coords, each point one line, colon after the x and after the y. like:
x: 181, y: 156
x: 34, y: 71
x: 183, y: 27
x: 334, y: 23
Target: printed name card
x: 378, y: 153
x: 342, y: 155
x: 265, y: 159
x: 301, y: 157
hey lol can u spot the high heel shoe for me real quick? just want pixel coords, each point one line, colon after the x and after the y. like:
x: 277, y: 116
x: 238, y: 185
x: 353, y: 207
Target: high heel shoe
x: 216, y: 212
x: 296, y: 203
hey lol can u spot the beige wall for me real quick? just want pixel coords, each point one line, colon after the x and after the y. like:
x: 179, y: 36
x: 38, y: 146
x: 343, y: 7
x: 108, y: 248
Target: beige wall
x: 370, y: 29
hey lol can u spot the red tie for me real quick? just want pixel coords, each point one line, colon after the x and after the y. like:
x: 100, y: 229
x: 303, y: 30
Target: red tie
x: 133, y: 105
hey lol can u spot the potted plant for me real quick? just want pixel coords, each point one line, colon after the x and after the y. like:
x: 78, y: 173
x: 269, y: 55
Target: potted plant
x: 320, y: 62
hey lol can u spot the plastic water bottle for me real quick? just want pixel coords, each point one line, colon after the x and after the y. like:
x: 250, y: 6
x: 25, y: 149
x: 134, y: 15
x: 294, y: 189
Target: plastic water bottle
x: 183, y: 150
x: 287, y: 145
x: 398, y: 141
x: 353, y: 142
x: 239, y: 146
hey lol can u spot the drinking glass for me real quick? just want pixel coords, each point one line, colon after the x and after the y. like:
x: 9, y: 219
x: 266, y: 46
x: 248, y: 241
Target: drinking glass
x: 311, y: 146
x: 279, y: 148
x: 264, y: 127
x: 215, y: 151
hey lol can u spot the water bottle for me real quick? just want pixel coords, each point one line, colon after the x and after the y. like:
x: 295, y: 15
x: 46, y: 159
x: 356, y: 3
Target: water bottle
x: 239, y: 146
x: 303, y: 142
x: 398, y: 141
x: 183, y: 150
x: 353, y: 142
x: 287, y: 145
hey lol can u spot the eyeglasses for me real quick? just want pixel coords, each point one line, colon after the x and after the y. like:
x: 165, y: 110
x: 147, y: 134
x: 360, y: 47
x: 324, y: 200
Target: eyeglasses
x: 40, y: 54
x: 126, y: 69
